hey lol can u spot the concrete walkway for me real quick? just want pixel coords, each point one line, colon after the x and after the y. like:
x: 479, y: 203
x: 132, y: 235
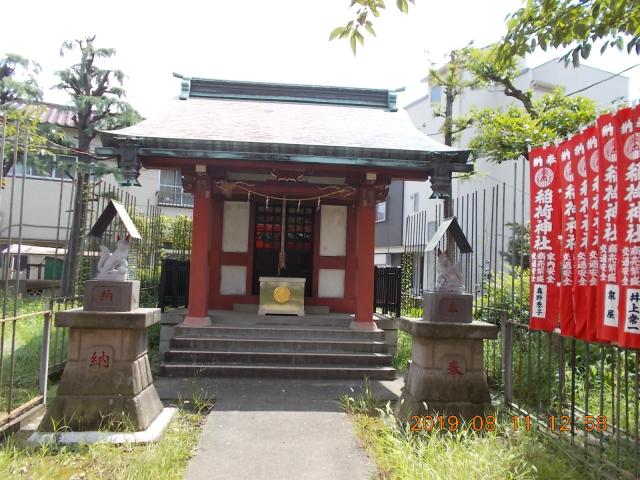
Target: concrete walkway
x: 277, y: 429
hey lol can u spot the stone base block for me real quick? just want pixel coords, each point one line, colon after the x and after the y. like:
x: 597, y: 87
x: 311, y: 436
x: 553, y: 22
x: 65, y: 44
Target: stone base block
x: 95, y: 412
x: 111, y: 296
x: 152, y: 434
x: 448, y: 307
x: 107, y: 379
x: 446, y: 375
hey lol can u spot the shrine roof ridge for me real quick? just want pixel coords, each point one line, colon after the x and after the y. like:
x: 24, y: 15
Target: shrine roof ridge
x: 194, y: 87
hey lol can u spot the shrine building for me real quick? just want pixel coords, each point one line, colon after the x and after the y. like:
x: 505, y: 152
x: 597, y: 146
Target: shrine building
x: 285, y: 180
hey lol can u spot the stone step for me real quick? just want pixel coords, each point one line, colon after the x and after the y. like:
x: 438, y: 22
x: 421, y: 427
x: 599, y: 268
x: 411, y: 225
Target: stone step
x: 277, y: 345
x: 334, y: 320
x: 253, y: 308
x: 288, y: 358
x: 276, y: 371
x: 277, y: 332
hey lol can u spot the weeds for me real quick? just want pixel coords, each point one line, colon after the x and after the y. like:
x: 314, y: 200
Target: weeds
x: 365, y: 404
x: 403, y: 351
x: 166, y: 459
x: 462, y: 454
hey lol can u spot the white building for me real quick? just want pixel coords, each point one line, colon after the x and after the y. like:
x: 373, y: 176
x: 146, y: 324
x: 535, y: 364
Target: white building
x: 41, y: 218
x: 605, y: 88
x: 47, y: 200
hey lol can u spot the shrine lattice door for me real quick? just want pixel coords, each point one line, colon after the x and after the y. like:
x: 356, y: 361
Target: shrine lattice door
x: 298, y: 243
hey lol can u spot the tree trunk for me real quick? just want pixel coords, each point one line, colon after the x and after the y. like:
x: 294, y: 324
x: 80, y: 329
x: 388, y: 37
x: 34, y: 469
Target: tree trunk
x: 73, y: 259
x: 450, y: 247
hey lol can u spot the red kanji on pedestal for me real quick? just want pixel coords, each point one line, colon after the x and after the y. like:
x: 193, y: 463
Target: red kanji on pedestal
x: 100, y: 361
x: 106, y: 295
x: 453, y: 368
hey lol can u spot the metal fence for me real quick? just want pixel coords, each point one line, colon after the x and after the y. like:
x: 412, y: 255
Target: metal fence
x: 387, y: 290
x: 36, y: 199
x: 585, y: 393
x: 174, y: 284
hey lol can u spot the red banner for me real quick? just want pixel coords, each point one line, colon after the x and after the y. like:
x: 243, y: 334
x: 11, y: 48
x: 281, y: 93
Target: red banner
x: 567, y: 252
x: 581, y: 263
x: 608, y: 284
x: 590, y: 136
x: 628, y: 157
x: 545, y: 238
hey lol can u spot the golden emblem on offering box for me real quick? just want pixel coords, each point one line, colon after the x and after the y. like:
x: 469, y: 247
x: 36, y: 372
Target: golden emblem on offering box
x: 281, y: 294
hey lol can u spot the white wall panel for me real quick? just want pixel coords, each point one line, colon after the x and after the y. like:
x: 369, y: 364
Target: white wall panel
x: 235, y: 227
x: 330, y: 283
x: 233, y: 280
x: 333, y: 230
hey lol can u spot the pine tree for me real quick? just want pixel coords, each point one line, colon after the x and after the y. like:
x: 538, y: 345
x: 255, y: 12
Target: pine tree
x: 98, y: 97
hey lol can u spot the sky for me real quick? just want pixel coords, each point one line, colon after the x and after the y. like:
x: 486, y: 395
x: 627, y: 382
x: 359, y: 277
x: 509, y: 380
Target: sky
x: 261, y: 40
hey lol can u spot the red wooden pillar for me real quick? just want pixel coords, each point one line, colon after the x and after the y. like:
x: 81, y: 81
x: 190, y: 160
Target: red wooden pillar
x: 200, y: 248
x: 365, y: 250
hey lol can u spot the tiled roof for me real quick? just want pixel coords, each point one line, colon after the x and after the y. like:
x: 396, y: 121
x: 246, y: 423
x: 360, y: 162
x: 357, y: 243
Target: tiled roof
x: 52, y: 113
x: 285, y: 123
x: 60, y: 115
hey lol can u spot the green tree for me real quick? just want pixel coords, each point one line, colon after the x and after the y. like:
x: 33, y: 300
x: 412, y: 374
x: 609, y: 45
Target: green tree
x: 573, y: 24
x: 364, y: 10
x: 518, y: 248
x: 18, y: 89
x: 483, y: 64
x: 453, y: 77
x: 98, y: 97
x: 508, y: 134
x: 18, y: 80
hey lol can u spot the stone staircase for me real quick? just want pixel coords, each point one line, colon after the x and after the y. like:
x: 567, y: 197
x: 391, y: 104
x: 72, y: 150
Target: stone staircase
x: 318, y: 345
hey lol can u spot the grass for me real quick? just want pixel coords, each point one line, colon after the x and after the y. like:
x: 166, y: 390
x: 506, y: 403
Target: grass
x: 413, y: 312
x: 166, y: 459
x: 403, y: 351
x: 401, y: 454
x: 464, y: 454
x: 26, y: 353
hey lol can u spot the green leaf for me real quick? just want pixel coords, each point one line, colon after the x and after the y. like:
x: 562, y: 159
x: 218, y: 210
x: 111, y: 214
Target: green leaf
x: 335, y: 32
x: 352, y: 41
x: 543, y: 43
x: 369, y: 26
x: 586, y: 50
x: 403, y: 6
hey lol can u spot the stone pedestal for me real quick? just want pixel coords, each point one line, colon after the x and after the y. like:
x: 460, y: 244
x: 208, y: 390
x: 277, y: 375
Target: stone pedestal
x: 446, y: 375
x: 111, y: 296
x: 447, y: 307
x: 107, y: 377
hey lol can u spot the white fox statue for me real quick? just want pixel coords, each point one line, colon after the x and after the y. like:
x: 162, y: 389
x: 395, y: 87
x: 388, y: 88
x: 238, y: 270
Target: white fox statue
x: 114, y: 266
x: 448, y: 274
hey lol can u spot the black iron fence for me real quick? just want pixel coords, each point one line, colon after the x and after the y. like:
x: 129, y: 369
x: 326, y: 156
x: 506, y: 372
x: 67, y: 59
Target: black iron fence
x: 387, y: 290
x: 585, y: 393
x: 174, y: 284
x: 36, y: 202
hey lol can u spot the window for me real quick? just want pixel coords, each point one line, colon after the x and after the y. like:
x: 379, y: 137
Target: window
x: 47, y: 166
x: 436, y: 94
x: 381, y: 212
x: 171, y: 192
x: 416, y: 202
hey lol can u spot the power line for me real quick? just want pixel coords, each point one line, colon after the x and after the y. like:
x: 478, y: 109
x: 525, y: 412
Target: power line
x: 603, y: 80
